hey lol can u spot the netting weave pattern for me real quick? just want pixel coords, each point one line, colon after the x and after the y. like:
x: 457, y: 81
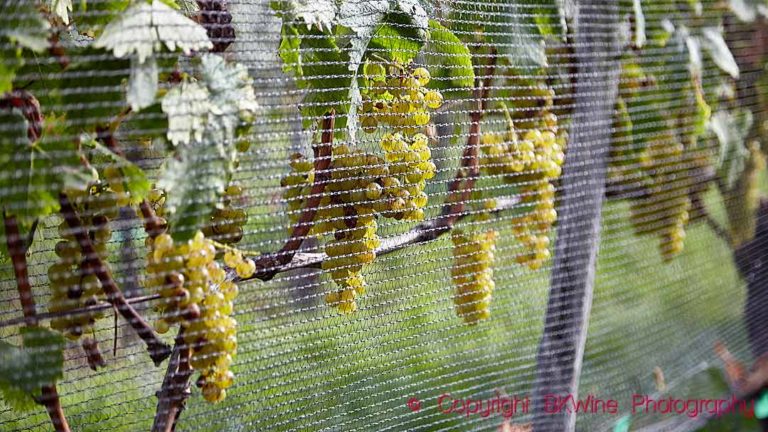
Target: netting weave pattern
x: 389, y: 215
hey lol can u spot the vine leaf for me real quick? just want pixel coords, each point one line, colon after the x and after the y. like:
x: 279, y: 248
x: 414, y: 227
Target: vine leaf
x: 186, y: 106
x: 92, y: 16
x: 134, y: 179
x: 314, y: 13
x: 10, y: 62
x: 637, y: 9
x: 142, y: 84
x: 85, y: 107
x: 327, y: 61
x: 203, y: 117
x: 23, y: 27
x: 62, y: 9
x: 363, y: 18
x: 319, y: 66
x: 748, y: 10
x: 731, y: 129
x: 511, y: 26
x: 452, y: 62
x: 140, y: 31
x: 232, y: 98
x: 397, y: 39
x: 38, y: 362
x: 718, y: 50
x: 33, y: 173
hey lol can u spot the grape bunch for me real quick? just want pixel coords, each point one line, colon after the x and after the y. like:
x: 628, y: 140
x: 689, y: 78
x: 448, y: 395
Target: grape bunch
x: 364, y: 186
x: 227, y: 221
x: 397, y: 97
x: 533, y: 163
x: 472, y: 273
x: 663, y: 208
x: 73, y: 283
x: 197, y: 294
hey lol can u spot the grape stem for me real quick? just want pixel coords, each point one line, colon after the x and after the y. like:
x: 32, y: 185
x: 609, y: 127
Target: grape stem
x: 158, y: 350
x: 460, y: 189
x: 268, y: 265
x: 421, y: 233
x: 174, y: 391
x: 17, y: 250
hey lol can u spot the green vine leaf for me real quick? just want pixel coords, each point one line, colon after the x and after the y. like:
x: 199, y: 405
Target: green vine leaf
x: 450, y: 59
x: 91, y: 16
x: 86, y: 108
x: 10, y: 61
x: 22, y: 24
x: 38, y: 362
x: 203, y: 117
x: 34, y: 173
x: 364, y: 18
x: 396, y: 39
x: 319, y: 66
x: 134, y: 179
x: 327, y: 61
x: 138, y: 33
x: 510, y: 26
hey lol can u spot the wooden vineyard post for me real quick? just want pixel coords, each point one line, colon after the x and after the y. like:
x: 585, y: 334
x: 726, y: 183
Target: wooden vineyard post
x: 561, y: 348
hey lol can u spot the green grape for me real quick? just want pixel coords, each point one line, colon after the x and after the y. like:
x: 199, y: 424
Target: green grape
x: 114, y: 177
x: 664, y: 209
x: 472, y: 273
x: 197, y: 294
x: 365, y: 186
x: 226, y: 224
x: 71, y: 287
x: 533, y: 163
x: 402, y: 104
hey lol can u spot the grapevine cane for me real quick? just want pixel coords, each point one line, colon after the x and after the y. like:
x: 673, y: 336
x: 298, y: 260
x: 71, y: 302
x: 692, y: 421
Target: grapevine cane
x: 174, y: 391
x: 157, y: 349
x: 17, y: 250
x: 268, y: 265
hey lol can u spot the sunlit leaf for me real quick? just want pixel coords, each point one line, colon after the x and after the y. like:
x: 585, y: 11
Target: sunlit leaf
x: 24, y: 370
x: 449, y: 59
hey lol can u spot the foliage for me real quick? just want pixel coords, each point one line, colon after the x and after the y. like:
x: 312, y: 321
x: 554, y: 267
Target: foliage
x: 146, y: 70
x: 38, y: 362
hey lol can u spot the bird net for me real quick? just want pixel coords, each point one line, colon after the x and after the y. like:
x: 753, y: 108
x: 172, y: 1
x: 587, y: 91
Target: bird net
x: 389, y: 215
